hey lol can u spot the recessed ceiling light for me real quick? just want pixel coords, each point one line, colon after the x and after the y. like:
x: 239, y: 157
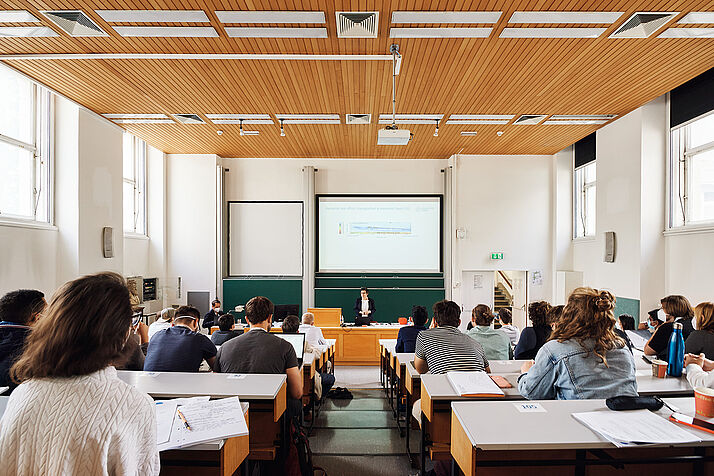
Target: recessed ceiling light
x: 153, y: 16
x: 270, y: 17
x: 258, y: 32
x: 445, y: 17
x: 643, y: 24
x: 499, y: 133
x: 26, y: 31
x: 529, y: 119
x: 579, y: 119
x: 687, y: 33
x: 17, y: 16
x: 469, y: 133
x: 167, y: 31
x: 574, y: 122
x: 143, y: 121
x: 564, y: 17
x: 309, y: 118
x: 358, y: 118
x: 357, y: 24
x: 410, y: 118
x: 74, y: 22
x: 135, y: 116
x: 237, y: 118
x: 697, y: 17
x: 440, y: 32
x: 188, y: 118
x: 479, y: 118
x: 552, y: 32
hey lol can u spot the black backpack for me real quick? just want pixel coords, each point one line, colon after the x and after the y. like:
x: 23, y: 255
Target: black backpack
x: 299, y: 459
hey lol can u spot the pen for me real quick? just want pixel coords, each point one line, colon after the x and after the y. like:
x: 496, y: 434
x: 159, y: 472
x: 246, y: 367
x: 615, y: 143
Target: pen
x: 183, y: 419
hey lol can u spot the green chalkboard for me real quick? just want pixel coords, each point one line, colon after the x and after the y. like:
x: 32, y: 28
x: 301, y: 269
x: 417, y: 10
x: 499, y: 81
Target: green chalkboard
x: 280, y: 291
x: 628, y: 306
x: 390, y: 303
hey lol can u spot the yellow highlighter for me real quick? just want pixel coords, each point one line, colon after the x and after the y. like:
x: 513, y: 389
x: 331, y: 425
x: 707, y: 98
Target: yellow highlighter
x: 183, y: 419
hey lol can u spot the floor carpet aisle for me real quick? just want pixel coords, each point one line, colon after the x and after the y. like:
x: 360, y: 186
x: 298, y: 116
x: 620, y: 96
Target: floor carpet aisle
x: 359, y: 436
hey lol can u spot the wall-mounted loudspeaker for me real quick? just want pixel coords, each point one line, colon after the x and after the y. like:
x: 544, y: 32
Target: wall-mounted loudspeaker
x: 610, y: 247
x: 108, y: 242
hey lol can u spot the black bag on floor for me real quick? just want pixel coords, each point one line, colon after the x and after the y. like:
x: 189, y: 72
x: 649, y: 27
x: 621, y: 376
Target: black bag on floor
x: 340, y: 393
x: 299, y: 459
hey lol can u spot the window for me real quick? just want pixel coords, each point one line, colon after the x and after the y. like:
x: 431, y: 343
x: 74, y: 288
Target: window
x: 585, y: 200
x: 134, y: 185
x: 692, y: 173
x: 25, y: 149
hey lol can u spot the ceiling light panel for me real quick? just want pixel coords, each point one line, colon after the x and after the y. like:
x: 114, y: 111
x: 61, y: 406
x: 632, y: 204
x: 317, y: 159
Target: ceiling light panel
x: 445, y: 17
x: 643, y: 24
x: 697, y: 18
x: 135, y: 116
x: 237, y: 118
x: 143, y: 121
x: 270, y: 17
x: 469, y: 133
x: 257, y: 32
x: 552, y: 32
x: 153, y: 16
x: 26, y: 31
x: 309, y: 118
x: 564, y: 17
x: 411, y: 118
x: 440, y: 32
x: 167, y: 31
x: 17, y: 16
x: 579, y: 119
x: 575, y: 122
x: 687, y: 33
x: 479, y: 118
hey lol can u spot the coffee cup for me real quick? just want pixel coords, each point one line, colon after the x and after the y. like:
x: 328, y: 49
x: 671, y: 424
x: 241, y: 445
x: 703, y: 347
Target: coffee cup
x: 704, y: 401
x: 659, y: 368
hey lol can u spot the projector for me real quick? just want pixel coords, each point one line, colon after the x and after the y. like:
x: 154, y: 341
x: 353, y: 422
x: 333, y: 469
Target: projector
x: 389, y: 136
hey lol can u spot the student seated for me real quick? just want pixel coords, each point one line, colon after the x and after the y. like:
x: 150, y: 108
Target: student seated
x: 495, y: 343
x: 166, y: 318
x: 313, y: 334
x: 180, y: 348
x: 701, y: 340
x: 554, y: 314
x: 676, y: 309
x: 406, y: 338
x: 291, y: 325
x: 533, y: 338
x: 625, y: 322
x: 134, y: 351
x: 584, y: 358
x: 700, y: 371
x: 506, y: 319
x: 71, y: 414
x: 19, y: 311
x: 225, y: 330
x: 259, y: 352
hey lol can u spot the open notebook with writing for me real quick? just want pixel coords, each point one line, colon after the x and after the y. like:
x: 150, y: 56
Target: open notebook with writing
x: 473, y: 384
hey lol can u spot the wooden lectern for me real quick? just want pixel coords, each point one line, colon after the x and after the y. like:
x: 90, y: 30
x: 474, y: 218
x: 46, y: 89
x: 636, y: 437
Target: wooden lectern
x: 326, y: 316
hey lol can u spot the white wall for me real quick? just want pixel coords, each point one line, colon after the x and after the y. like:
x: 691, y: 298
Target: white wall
x: 690, y: 265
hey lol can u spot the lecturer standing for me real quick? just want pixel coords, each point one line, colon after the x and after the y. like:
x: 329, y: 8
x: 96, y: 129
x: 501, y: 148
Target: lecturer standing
x: 364, y: 309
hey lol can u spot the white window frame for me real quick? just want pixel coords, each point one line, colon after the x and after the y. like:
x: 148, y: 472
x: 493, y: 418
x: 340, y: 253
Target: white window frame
x: 579, y: 202
x: 679, y: 159
x: 138, y: 155
x: 42, y: 149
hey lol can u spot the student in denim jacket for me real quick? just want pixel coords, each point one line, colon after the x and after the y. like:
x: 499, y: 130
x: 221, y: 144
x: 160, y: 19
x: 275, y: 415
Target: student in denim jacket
x: 584, y: 358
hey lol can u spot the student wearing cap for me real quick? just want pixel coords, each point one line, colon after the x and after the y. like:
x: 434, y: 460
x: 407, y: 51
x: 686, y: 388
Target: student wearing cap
x: 180, y: 348
x: 166, y: 317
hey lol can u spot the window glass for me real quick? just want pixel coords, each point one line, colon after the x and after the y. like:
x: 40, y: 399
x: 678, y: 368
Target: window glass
x: 701, y: 131
x: 16, y: 190
x: 134, y: 188
x: 585, y: 200
x: 700, y: 195
x: 16, y: 104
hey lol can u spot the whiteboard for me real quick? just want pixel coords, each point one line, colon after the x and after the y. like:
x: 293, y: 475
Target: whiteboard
x: 265, y: 238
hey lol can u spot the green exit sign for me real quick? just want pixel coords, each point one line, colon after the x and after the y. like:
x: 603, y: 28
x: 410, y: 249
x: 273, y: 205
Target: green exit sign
x: 496, y: 255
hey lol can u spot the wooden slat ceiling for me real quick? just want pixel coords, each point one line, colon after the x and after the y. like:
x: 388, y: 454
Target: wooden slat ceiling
x: 438, y: 76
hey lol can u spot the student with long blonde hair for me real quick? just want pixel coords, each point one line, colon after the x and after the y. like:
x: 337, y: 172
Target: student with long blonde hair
x: 71, y: 414
x: 584, y: 358
x: 701, y: 340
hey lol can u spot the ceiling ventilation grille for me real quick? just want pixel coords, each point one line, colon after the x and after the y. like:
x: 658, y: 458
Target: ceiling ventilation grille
x: 357, y: 24
x: 188, y: 119
x: 529, y: 119
x: 358, y: 118
x: 74, y: 22
x: 643, y: 24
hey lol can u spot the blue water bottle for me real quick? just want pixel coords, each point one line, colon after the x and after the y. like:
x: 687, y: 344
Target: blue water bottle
x: 676, y: 352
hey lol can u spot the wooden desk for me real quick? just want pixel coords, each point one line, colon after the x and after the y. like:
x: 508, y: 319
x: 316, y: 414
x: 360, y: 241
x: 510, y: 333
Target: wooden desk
x: 326, y: 316
x: 266, y: 394
x: 483, y: 437
x: 359, y: 345
x: 214, y: 458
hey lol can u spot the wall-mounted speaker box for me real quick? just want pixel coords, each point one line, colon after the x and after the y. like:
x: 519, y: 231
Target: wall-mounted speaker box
x: 108, y: 242
x: 610, y: 247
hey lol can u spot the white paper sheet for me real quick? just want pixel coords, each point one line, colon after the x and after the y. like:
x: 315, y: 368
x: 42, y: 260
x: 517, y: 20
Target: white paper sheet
x: 634, y: 427
x: 473, y: 383
x: 165, y: 413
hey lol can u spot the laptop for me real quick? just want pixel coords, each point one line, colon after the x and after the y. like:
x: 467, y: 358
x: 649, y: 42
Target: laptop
x: 298, y: 343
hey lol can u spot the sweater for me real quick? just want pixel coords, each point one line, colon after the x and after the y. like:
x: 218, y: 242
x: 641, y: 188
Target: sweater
x: 91, y: 424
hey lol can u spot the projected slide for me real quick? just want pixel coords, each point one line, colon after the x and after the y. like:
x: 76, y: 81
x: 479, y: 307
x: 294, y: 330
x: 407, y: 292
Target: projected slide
x: 379, y: 234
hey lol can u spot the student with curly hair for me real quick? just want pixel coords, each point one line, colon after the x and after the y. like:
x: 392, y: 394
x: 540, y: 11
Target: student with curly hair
x: 496, y: 344
x: 584, y: 358
x: 533, y: 338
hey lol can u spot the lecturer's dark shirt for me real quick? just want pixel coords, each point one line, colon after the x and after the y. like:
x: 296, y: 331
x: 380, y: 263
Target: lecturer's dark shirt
x: 12, y: 343
x: 406, y: 339
x: 358, y: 308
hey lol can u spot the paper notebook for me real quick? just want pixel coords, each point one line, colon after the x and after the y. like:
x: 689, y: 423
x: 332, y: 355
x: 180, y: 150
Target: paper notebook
x: 209, y: 421
x: 473, y: 384
x: 634, y: 428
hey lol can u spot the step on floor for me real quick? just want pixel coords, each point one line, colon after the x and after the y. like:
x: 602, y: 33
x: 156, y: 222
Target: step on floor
x: 356, y: 404
x: 355, y: 419
x: 357, y: 442
x: 360, y: 465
